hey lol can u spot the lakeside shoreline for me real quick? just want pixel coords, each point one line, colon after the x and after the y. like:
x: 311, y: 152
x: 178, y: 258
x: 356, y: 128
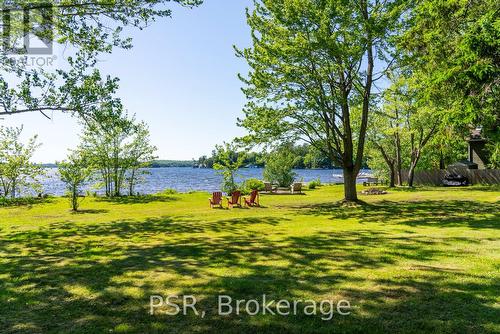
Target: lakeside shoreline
x: 183, y: 179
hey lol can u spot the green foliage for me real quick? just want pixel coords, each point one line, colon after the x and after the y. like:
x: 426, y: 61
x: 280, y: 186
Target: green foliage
x: 90, y: 29
x: 314, y: 158
x: 171, y: 163
x: 227, y: 162
x: 19, y: 201
x: 74, y: 172
x: 252, y: 184
x: 314, y: 183
x: 312, y: 66
x: 494, y: 149
x: 408, y: 133
x: 446, y: 147
x: 17, y: 172
x: 452, y: 48
x: 168, y: 192
x: 306, y: 156
x: 279, y: 166
x: 118, y: 148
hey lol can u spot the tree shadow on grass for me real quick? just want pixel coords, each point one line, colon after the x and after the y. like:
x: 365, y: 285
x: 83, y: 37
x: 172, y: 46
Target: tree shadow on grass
x: 89, y: 211
x: 143, y: 199
x: 490, y: 188
x: 417, y: 189
x: 451, y: 213
x: 97, y: 278
x: 28, y: 201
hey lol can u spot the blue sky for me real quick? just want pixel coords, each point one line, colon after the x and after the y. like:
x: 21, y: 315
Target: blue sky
x: 180, y: 77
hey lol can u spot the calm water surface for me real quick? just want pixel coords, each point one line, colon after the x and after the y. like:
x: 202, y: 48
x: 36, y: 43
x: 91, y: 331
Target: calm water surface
x: 184, y: 179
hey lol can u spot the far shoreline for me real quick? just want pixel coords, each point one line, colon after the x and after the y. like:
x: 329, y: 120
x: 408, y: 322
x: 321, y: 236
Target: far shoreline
x: 53, y: 165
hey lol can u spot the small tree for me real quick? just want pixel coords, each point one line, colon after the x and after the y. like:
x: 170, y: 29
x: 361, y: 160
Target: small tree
x: 138, y: 154
x: 228, y: 161
x: 16, y: 169
x: 279, y: 166
x: 118, y: 148
x: 74, y: 172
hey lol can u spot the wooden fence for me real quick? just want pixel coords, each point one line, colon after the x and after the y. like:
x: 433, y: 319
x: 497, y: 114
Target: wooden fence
x: 435, y: 177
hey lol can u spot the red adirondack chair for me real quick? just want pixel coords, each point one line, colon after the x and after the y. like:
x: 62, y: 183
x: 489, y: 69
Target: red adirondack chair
x: 216, y: 199
x: 253, y: 200
x: 235, y: 199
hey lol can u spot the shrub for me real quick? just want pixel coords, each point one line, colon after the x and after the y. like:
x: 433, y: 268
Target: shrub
x: 168, y: 191
x: 18, y: 201
x: 279, y: 166
x: 314, y: 183
x: 253, y: 184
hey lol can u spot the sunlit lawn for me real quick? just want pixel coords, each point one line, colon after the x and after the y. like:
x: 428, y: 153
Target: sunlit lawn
x: 409, y: 261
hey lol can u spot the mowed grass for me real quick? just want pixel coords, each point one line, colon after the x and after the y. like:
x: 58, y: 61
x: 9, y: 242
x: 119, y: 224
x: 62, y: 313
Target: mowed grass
x: 426, y: 260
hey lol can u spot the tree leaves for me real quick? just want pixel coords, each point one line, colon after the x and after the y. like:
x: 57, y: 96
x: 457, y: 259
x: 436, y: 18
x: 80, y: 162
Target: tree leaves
x: 90, y: 28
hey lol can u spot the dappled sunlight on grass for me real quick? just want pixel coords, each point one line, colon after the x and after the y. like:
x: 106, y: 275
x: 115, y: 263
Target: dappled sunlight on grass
x: 405, y: 265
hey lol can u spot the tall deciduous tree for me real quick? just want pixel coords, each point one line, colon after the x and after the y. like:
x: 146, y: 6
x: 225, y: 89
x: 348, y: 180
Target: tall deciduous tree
x: 386, y: 128
x: 384, y: 145
x: 312, y: 64
x: 404, y: 127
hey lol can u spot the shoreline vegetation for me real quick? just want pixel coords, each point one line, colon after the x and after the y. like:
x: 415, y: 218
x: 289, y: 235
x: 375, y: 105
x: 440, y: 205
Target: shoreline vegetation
x: 189, y: 164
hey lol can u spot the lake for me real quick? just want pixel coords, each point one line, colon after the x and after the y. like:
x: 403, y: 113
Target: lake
x: 185, y: 179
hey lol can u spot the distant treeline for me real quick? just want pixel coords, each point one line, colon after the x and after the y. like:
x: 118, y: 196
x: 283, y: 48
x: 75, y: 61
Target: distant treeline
x: 153, y: 164
x: 171, y: 163
x: 306, y: 157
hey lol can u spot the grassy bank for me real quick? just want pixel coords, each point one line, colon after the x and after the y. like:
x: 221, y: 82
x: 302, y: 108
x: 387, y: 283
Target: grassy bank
x: 410, y: 261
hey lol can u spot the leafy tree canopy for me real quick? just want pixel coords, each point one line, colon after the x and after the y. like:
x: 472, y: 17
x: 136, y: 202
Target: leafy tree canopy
x: 89, y: 27
x: 453, y: 50
x: 313, y: 64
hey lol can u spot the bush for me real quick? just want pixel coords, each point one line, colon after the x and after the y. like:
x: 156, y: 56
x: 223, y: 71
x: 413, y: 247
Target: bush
x: 253, y: 184
x: 314, y: 183
x: 168, y: 191
x: 18, y: 201
x: 279, y: 166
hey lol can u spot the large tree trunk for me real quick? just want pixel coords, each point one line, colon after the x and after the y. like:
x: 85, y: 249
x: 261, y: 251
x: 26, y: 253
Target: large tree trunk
x: 116, y: 183
x: 13, y: 189
x: 390, y: 163
x: 74, y: 199
x: 392, y: 176
x: 398, y: 161
x: 442, y: 164
x: 415, y: 157
x: 350, y: 185
x: 411, y: 175
x: 131, y: 184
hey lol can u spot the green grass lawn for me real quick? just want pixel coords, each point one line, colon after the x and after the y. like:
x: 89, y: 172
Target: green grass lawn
x: 410, y: 261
